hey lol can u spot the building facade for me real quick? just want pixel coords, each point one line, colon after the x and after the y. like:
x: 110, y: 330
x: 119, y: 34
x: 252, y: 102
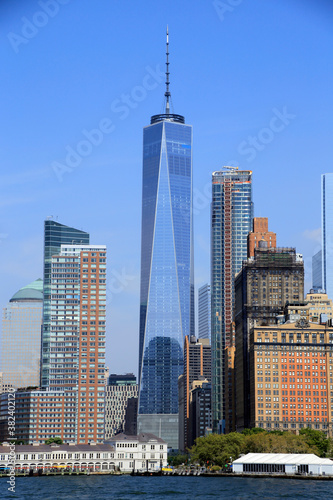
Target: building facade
x: 291, y: 376
x: 317, y: 271
x: 124, y: 453
x: 231, y: 218
x: 197, y: 363
x: 118, y: 391
x: 55, y: 234
x: 204, y: 312
x: 260, y: 233
x: 167, y: 285
x: 21, y: 333
x: 327, y: 232
x: 200, y: 411
x: 262, y: 287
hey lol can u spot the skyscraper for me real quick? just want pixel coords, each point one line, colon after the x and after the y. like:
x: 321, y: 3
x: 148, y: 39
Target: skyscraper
x: 167, y: 284
x: 327, y: 233
x: 231, y: 222
x: 21, y: 327
x: 55, y: 234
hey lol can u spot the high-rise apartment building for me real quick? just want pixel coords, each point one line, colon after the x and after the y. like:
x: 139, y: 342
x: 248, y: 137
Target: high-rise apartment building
x: 204, y: 312
x: 197, y: 363
x: 327, y: 232
x: 167, y: 284
x: 119, y: 390
x: 21, y: 331
x: 262, y: 287
x: 231, y: 222
x: 291, y: 367
x: 55, y: 234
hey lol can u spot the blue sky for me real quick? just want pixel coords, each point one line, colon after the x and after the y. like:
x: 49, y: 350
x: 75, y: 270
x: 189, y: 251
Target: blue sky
x: 254, y: 78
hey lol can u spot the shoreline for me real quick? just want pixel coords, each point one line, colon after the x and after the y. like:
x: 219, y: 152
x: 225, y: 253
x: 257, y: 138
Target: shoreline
x: 204, y: 474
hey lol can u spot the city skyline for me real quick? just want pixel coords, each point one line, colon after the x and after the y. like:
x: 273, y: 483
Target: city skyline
x: 233, y: 88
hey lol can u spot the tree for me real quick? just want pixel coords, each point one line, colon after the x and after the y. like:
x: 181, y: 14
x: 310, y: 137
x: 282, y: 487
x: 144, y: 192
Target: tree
x: 217, y: 448
x: 56, y: 440
x: 316, y: 439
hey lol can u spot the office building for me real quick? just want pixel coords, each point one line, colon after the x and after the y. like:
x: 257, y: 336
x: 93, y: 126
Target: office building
x: 21, y: 333
x: 262, y: 287
x: 327, y: 233
x: 291, y: 368
x: 200, y: 410
x: 317, y: 271
x: 197, y: 363
x: 118, y: 392
x: 167, y: 284
x: 204, y: 312
x: 230, y: 224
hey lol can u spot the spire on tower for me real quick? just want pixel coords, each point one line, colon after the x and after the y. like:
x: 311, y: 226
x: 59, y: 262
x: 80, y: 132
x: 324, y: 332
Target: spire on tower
x: 167, y: 83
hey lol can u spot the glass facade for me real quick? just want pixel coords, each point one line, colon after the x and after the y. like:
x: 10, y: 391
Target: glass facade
x: 327, y: 233
x: 204, y: 312
x: 21, y: 327
x: 55, y: 234
x: 167, y: 285
x: 232, y: 213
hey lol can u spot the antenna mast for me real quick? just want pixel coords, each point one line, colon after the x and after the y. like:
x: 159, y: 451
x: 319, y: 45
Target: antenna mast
x: 167, y: 83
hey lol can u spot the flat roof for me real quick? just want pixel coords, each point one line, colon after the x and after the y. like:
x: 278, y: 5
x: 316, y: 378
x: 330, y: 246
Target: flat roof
x: 282, y: 458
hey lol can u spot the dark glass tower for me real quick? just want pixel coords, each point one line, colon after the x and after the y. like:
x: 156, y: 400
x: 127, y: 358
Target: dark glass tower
x: 55, y: 235
x: 167, y: 285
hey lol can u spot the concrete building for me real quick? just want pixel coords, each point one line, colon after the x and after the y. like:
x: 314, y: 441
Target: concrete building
x: 231, y: 217
x: 283, y: 463
x: 258, y: 234
x: 21, y: 334
x: 197, y: 363
x: 204, y: 312
x: 291, y: 376
x: 119, y: 390
x: 262, y: 287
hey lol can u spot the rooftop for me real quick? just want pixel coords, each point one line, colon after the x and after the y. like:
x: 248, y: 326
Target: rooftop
x: 283, y: 458
x: 31, y: 292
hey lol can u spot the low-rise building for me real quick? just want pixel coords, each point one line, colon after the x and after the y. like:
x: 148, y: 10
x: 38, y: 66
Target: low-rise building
x: 124, y: 453
x: 283, y: 463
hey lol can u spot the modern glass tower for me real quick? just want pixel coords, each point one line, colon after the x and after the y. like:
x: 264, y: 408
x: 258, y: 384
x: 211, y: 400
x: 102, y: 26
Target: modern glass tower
x: 327, y: 233
x: 167, y: 284
x: 55, y: 234
x: 230, y: 225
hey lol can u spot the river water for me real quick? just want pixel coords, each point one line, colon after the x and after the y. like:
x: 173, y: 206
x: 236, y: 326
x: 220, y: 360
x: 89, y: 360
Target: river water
x: 163, y: 487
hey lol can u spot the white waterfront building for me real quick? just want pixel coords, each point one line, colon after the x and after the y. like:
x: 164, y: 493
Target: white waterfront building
x: 283, y: 463
x: 124, y: 453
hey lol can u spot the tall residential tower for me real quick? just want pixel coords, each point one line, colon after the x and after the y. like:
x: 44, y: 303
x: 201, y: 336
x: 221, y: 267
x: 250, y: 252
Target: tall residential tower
x: 230, y: 225
x: 167, y: 284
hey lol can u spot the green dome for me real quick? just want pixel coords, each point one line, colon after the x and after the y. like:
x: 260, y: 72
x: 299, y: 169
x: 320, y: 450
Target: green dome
x: 33, y: 291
